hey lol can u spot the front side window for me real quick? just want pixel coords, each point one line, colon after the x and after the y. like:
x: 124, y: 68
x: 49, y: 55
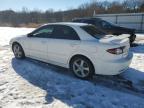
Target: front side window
x: 43, y: 32
x: 93, y: 31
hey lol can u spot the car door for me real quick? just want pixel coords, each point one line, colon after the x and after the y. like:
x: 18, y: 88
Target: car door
x: 37, y: 42
x: 62, y: 43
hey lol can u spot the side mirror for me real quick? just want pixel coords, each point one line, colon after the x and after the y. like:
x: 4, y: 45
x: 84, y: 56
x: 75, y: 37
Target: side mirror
x: 30, y: 35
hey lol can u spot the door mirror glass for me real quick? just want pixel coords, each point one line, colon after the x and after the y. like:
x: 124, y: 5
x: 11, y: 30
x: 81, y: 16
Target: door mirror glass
x: 30, y: 35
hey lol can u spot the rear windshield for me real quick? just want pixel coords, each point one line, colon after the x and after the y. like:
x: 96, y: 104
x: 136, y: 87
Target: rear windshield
x: 93, y: 31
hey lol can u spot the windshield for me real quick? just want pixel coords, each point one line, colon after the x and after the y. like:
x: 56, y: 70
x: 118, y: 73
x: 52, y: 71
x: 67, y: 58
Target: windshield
x: 93, y: 31
x: 106, y: 24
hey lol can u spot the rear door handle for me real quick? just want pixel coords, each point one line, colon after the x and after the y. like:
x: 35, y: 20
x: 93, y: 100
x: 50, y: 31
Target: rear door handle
x: 73, y: 44
x: 44, y: 42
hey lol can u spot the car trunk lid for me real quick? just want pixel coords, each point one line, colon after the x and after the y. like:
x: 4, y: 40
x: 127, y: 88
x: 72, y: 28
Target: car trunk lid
x: 111, y: 39
x: 121, y: 40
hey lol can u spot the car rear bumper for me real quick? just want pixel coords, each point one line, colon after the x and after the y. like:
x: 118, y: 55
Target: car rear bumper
x: 113, y: 67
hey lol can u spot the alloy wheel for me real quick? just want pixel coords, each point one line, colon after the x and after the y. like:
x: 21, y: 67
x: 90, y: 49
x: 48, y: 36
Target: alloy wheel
x: 17, y: 51
x: 81, y: 68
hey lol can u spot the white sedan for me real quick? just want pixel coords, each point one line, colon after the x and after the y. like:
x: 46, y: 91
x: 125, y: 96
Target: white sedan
x: 82, y: 48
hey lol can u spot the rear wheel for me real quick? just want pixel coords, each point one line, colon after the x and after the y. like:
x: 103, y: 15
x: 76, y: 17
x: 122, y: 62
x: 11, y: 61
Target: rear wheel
x: 18, y: 51
x: 82, y: 67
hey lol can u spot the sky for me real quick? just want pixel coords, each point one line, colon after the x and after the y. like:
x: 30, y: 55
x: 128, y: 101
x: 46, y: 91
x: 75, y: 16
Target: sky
x: 43, y: 5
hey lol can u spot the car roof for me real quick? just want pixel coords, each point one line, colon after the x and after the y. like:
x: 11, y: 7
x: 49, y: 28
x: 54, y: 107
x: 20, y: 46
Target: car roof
x: 86, y: 19
x: 67, y: 23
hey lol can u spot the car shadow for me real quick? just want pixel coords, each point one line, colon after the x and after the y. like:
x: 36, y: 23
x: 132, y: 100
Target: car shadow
x: 134, y: 75
x: 59, y: 83
x: 129, y: 81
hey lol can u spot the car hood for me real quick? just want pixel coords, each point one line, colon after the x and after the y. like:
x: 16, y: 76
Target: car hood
x: 20, y: 36
x: 17, y: 38
x: 111, y: 39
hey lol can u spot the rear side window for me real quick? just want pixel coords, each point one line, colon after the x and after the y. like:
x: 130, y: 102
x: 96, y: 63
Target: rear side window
x: 93, y: 31
x: 64, y: 32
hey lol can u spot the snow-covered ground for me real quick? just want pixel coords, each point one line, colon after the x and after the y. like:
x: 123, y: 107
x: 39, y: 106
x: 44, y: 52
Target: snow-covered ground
x: 30, y: 84
x: 6, y: 33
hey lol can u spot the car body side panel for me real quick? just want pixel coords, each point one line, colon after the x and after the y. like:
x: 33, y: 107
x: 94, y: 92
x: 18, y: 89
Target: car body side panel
x: 59, y: 50
x: 37, y: 47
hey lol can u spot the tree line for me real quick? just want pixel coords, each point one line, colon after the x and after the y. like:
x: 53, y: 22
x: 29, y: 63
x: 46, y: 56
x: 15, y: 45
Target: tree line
x: 25, y: 17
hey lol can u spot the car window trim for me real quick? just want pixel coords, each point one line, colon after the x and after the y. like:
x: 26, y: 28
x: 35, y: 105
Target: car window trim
x: 40, y: 28
x: 51, y: 37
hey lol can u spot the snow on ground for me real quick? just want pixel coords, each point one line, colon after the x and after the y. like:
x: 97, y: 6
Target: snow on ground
x: 140, y: 37
x: 6, y: 33
x: 28, y: 83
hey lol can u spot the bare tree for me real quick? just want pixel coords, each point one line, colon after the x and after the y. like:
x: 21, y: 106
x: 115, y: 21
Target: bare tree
x: 84, y: 10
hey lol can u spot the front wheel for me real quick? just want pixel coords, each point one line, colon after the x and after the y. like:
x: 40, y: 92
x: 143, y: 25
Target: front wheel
x: 82, y: 68
x: 18, y: 51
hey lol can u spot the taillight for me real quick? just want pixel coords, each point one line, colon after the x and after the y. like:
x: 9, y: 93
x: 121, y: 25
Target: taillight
x: 117, y: 51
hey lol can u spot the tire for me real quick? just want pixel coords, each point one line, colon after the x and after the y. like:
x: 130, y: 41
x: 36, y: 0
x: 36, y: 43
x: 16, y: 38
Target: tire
x: 82, y: 67
x: 18, y: 51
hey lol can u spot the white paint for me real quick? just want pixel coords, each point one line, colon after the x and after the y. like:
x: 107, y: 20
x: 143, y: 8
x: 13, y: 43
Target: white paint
x: 60, y: 51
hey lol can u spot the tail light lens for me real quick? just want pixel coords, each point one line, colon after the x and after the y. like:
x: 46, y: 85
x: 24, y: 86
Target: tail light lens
x: 116, y: 51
